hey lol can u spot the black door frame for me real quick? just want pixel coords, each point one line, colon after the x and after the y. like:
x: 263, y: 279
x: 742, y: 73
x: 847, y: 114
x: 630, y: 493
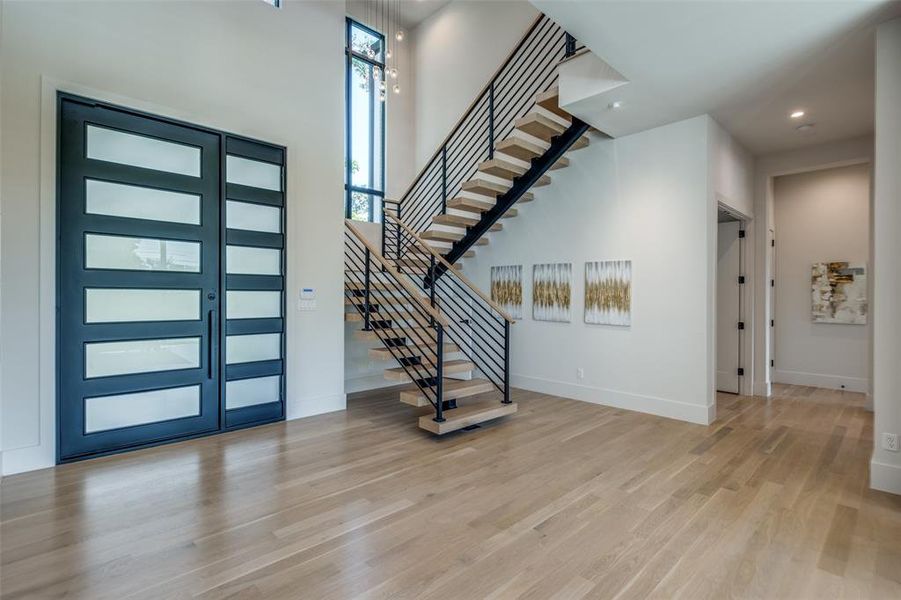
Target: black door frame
x: 214, y: 363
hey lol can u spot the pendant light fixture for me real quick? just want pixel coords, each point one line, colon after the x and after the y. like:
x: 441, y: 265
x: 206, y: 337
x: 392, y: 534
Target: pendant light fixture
x: 387, y: 20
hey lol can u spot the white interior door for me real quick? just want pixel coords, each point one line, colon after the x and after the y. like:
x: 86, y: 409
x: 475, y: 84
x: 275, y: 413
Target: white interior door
x: 728, y: 303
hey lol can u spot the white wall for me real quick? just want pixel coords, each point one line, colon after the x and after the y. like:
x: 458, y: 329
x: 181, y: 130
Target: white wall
x: 885, y: 468
x: 733, y: 169
x: 243, y: 67
x: 829, y: 155
x: 457, y: 50
x: 820, y: 216
x: 645, y: 197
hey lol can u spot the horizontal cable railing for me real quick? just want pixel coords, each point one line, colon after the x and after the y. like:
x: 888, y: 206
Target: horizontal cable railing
x: 529, y: 70
x: 398, y: 314
x: 477, y: 324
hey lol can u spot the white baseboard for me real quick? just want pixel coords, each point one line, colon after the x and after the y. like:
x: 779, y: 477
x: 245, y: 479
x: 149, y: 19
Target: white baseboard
x: 367, y: 382
x: 820, y: 380
x: 31, y: 458
x: 315, y: 405
x: 885, y: 477
x: 663, y: 407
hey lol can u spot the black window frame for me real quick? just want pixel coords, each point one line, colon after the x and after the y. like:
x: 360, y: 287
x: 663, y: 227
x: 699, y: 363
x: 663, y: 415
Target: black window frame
x: 349, y: 189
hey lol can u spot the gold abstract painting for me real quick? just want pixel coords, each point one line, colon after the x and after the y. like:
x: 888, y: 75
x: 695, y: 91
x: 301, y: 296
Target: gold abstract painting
x: 506, y: 289
x: 608, y: 292
x: 552, y: 292
x: 839, y: 293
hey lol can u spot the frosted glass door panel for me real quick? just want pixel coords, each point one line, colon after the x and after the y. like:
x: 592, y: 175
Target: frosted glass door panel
x: 252, y: 348
x: 104, y: 359
x: 140, y: 254
x: 253, y: 305
x: 136, y: 202
x: 125, y: 410
x: 249, y: 392
x: 253, y: 173
x: 247, y: 260
x: 252, y: 217
x: 141, y: 151
x: 120, y: 305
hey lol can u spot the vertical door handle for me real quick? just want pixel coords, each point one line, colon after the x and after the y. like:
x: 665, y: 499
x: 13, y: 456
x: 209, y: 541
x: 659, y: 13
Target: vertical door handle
x: 209, y: 359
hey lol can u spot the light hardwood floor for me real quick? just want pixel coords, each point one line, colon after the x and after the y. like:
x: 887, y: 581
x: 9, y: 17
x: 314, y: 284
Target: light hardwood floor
x: 563, y: 500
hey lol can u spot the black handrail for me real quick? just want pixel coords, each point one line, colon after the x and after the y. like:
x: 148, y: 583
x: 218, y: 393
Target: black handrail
x: 528, y: 70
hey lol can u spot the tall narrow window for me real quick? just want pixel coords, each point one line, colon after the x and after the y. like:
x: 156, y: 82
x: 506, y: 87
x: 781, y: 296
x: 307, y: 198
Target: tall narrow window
x: 364, y: 172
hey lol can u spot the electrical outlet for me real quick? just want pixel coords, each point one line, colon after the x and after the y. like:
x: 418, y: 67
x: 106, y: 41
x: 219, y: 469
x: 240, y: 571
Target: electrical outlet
x: 890, y: 442
x: 580, y: 373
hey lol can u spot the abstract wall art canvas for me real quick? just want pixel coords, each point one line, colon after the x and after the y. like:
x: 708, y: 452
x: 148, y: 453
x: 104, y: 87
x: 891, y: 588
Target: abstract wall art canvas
x: 608, y: 292
x: 839, y: 293
x: 552, y: 292
x: 506, y: 289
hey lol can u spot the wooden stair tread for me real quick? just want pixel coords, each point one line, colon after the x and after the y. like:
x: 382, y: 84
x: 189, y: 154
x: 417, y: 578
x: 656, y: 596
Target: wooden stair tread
x: 385, y: 353
x: 519, y: 148
x: 540, y: 126
x: 385, y: 300
x: 484, y: 187
x: 410, y: 333
x: 502, y: 168
x: 451, y: 367
x: 550, y: 101
x: 542, y: 181
x: 561, y: 163
x: 580, y: 143
x: 444, y: 236
x: 466, y: 415
x: 451, y: 389
x: 460, y: 221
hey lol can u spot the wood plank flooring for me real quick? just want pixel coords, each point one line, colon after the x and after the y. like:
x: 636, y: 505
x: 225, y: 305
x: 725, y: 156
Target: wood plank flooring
x: 563, y: 500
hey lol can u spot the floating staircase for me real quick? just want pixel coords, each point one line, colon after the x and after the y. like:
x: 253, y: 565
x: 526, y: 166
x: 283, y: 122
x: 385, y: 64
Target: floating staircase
x: 441, y: 334
x: 504, y: 147
x: 426, y: 332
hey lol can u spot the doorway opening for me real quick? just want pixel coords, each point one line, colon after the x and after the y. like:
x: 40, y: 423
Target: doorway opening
x: 730, y: 319
x: 820, y: 278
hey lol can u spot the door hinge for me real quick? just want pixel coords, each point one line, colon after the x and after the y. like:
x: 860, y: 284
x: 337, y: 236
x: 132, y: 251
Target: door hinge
x: 772, y: 363
x: 772, y: 322
x: 741, y: 279
x: 741, y: 372
x: 773, y: 243
x: 741, y: 324
x: 741, y: 233
x: 772, y: 283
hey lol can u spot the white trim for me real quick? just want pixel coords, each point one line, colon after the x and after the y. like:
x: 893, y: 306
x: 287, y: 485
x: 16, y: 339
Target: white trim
x: 822, y: 380
x: 885, y: 477
x: 324, y: 403
x: 367, y: 382
x: 663, y: 407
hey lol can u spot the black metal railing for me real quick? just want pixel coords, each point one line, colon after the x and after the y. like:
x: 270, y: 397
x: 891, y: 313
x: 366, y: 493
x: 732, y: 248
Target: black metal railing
x: 529, y: 70
x: 478, y: 326
x: 390, y: 306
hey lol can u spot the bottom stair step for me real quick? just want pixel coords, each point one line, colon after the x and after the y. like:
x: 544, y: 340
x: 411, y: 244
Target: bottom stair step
x: 464, y: 416
x: 451, y: 390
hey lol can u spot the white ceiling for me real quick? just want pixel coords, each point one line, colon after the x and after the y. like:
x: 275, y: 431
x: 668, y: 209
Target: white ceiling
x: 410, y: 13
x: 748, y: 64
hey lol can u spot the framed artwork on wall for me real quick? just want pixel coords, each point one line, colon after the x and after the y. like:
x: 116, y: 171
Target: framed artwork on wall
x: 552, y: 292
x: 608, y: 292
x: 506, y: 289
x: 839, y: 293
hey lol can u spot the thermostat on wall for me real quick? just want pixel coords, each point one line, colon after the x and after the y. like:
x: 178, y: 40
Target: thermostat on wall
x: 307, y: 299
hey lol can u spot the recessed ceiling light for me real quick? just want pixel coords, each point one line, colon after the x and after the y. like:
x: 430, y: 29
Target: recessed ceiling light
x: 797, y: 114
x: 616, y: 105
x: 805, y: 127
